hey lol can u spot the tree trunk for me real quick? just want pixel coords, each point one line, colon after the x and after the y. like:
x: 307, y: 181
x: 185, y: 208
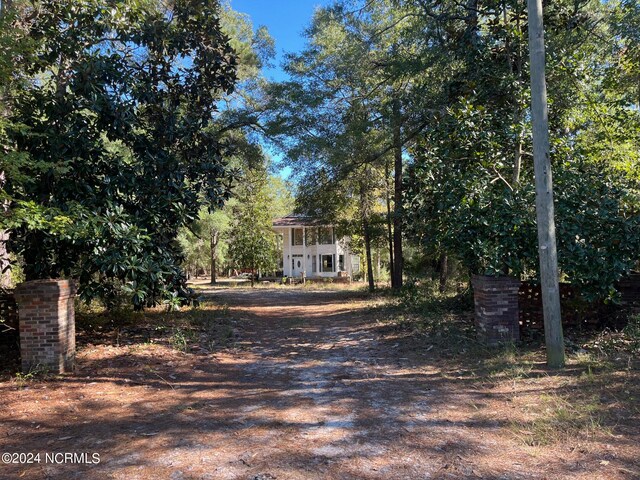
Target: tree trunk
x: 397, y: 198
x: 5, y: 263
x: 444, y: 272
x: 367, y: 247
x: 389, y: 219
x: 214, y: 255
x: 472, y: 21
x: 517, y: 164
x: 544, y: 191
x: 518, y: 111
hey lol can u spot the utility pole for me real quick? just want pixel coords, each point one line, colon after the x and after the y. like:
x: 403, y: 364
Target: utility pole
x: 544, y: 191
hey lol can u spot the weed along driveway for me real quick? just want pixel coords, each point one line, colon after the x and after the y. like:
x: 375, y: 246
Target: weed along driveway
x: 295, y: 383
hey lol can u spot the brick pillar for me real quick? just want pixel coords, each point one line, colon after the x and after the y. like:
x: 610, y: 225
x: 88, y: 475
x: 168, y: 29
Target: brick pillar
x: 496, y: 309
x: 47, y: 324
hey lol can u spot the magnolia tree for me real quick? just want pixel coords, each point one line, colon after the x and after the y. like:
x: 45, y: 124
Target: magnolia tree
x: 111, y: 146
x: 470, y: 187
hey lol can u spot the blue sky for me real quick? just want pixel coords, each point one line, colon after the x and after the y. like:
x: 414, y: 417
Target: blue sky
x: 285, y: 20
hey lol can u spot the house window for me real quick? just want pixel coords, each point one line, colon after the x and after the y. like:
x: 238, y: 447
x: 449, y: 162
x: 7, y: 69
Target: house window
x: 341, y: 263
x: 296, y: 236
x: 311, y: 236
x: 325, y: 236
x: 314, y: 264
x: 326, y: 263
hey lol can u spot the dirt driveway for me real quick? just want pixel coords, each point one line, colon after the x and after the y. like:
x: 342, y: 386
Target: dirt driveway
x: 312, y: 390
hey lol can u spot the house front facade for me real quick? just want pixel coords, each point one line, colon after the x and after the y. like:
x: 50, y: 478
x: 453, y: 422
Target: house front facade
x: 313, y: 250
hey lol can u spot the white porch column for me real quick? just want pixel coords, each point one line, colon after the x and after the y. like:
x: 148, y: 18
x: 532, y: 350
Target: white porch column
x: 336, y: 256
x: 286, y: 262
x: 304, y: 252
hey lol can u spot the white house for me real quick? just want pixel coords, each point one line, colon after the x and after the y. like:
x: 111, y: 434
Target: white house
x: 313, y: 249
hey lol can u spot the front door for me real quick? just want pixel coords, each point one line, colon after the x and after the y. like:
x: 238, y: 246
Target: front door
x: 297, y: 265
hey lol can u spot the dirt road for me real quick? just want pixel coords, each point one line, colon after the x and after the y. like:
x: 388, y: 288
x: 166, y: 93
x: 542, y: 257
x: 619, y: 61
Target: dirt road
x: 312, y: 390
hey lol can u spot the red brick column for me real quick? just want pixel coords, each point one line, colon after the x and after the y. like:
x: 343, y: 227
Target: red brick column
x: 496, y: 309
x: 47, y: 324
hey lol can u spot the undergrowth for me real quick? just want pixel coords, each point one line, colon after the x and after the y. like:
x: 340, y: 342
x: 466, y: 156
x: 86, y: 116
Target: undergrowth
x: 419, y: 308
x: 597, y: 390
x: 202, y: 328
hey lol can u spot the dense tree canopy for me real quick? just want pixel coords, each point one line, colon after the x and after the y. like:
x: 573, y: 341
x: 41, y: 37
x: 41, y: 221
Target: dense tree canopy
x: 468, y: 192
x: 405, y: 123
x: 441, y: 89
x: 111, y: 148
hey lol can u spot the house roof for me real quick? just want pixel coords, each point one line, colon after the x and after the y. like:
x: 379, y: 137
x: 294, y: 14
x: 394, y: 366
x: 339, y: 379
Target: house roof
x: 294, y: 221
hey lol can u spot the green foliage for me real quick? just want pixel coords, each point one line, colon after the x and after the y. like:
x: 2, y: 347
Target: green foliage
x: 470, y: 185
x: 207, y: 236
x: 211, y: 233
x: 632, y: 333
x: 461, y: 201
x: 195, y: 249
x: 598, y: 226
x: 181, y: 338
x: 205, y: 241
x: 334, y: 120
x: 35, y: 373
x: 110, y: 140
x: 281, y: 193
x: 252, y: 243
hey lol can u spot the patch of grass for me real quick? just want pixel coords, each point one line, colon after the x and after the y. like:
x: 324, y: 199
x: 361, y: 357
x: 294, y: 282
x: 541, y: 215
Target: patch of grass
x: 592, y: 363
x: 180, y: 339
x: 210, y: 326
x: 94, y: 317
x: 589, y: 399
x: 556, y: 419
x: 213, y: 324
x: 509, y: 363
x: 425, y: 297
x: 37, y: 372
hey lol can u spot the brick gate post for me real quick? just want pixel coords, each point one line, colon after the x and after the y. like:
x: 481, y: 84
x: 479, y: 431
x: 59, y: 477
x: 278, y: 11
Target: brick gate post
x: 496, y: 309
x: 47, y: 324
